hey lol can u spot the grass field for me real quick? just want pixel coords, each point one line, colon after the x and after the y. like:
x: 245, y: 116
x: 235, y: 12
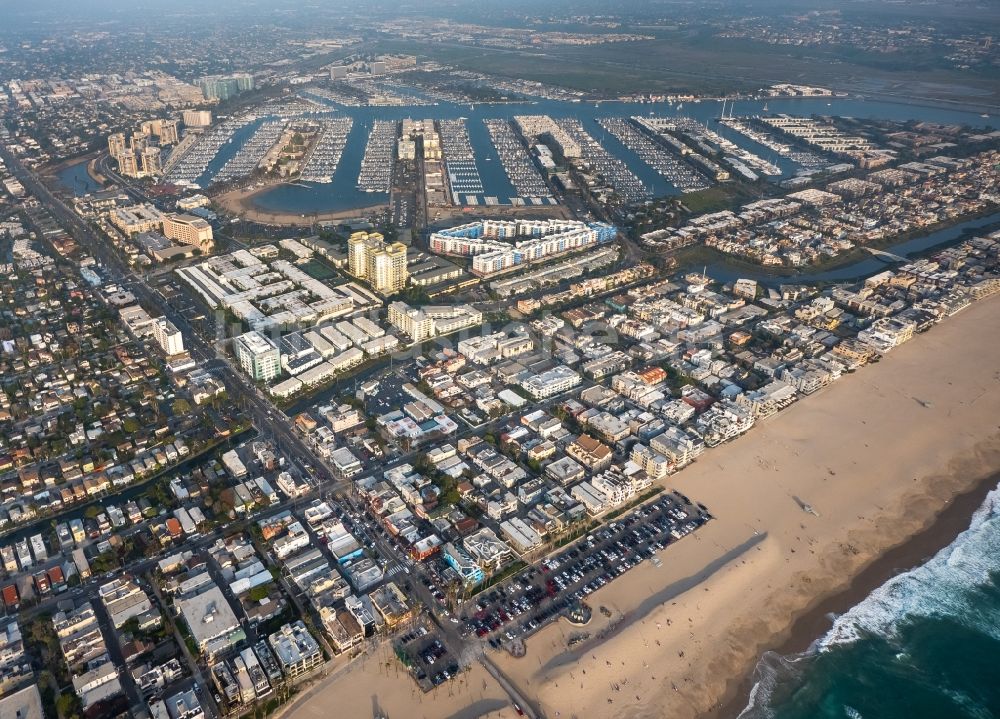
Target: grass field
x: 318, y: 270
x: 719, y: 197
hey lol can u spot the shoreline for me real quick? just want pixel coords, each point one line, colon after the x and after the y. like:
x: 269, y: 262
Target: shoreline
x: 892, y: 486
x: 812, y: 624
x: 240, y: 203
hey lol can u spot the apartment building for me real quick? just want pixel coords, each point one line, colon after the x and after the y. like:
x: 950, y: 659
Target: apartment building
x: 170, y: 339
x: 296, y: 650
x: 211, y: 620
x: 551, y: 382
x: 136, y: 218
x: 258, y: 356
x: 382, y: 265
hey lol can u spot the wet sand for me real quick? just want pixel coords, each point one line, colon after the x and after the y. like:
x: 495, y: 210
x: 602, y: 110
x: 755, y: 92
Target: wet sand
x: 917, y: 550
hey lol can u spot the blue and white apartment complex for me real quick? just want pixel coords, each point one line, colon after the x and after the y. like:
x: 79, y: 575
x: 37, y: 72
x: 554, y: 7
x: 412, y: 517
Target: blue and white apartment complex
x: 500, y: 245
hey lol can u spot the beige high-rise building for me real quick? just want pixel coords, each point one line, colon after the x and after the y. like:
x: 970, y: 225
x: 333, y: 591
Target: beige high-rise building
x: 128, y: 163
x: 188, y: 229
x: 359, y: 244
x: 168, y: 133
x: 139, y: 141
x: 116, y: 144
x: 370, y: 258
x: 387, y: 268
x: 151, y: 161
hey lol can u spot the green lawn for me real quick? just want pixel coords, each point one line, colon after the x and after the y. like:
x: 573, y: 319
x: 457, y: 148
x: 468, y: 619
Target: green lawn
x: 318, y: 270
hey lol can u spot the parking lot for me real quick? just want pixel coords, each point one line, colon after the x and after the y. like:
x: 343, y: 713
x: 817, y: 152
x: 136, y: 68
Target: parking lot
x: 541, y: 592
x: 427, y: 658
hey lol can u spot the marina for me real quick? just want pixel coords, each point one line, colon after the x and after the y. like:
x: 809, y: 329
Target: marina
x: 712, y: 142
x: 803, y: 158
x: 248, y: 157
x: 346, y: 191
x: 670, y: 130
x: 192, y: 167
x: 517, y: 163
x: 460, y: 160
x: 332, y: 95
x: 380, y: 154
x: 680, y: 175
x: 611, y: 169
x: 327, y: 150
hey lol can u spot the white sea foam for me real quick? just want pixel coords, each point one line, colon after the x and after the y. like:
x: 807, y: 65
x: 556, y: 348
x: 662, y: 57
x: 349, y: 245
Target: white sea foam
x: 936, y: 588
x: 939, y: 587
x: 771, y: 669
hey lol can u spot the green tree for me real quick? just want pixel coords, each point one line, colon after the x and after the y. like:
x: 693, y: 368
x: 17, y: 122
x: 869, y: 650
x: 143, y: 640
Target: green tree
x: 258, y: 593
x: 68, y: 705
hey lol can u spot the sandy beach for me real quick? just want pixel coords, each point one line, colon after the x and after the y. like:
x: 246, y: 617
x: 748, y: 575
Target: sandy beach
x: 378, y: 684
x: 240, y: 203
x: 879, y: 455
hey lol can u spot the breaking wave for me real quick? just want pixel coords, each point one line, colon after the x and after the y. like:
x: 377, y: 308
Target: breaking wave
x: 957, y: 591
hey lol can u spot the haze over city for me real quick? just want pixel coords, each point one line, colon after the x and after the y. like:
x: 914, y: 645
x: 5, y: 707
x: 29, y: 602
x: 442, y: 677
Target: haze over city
x: 452, y: 361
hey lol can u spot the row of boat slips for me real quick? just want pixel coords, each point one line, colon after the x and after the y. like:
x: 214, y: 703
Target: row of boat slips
x: 380, y: 156
x: 327, y: 150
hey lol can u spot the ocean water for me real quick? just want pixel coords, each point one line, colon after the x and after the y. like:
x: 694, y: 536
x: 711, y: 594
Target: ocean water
x: 924, y: 645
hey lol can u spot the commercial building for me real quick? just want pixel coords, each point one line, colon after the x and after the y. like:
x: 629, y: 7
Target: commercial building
x: 258, y: 356
x: 188, y: 230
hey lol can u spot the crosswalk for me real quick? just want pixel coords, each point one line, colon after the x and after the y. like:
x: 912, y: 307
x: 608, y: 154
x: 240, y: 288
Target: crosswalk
x: 394, y: 570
